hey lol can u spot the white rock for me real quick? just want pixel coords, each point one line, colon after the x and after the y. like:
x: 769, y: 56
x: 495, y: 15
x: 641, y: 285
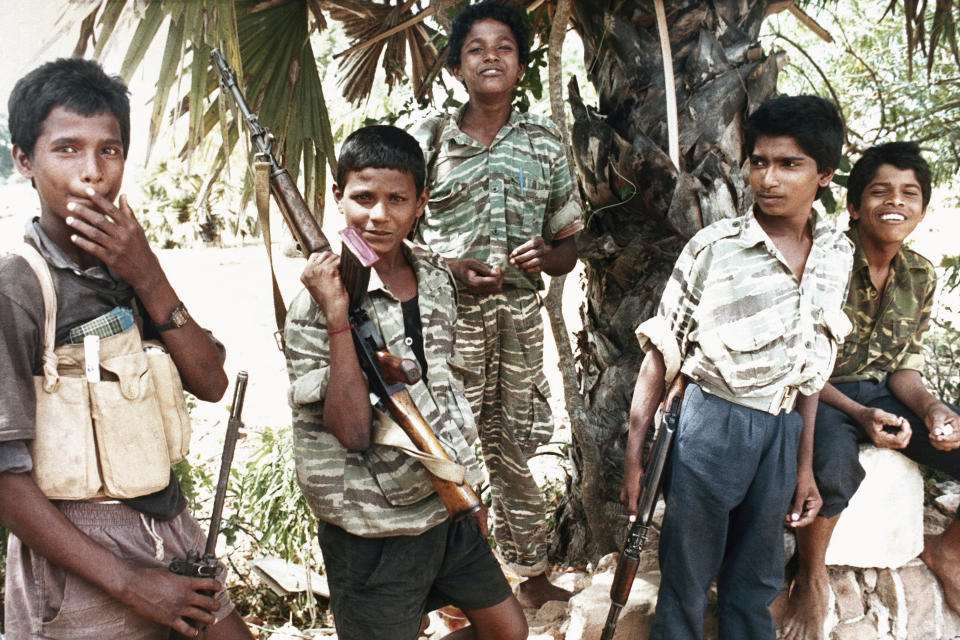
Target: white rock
x: 588, y: 609
x: 883, y: 525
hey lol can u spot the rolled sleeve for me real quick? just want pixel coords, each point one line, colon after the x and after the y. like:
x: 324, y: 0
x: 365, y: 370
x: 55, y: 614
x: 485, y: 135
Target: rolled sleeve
x: 308, y: 354
x: 15, y: 457
x: 563, y: 217
x: 655, y: 333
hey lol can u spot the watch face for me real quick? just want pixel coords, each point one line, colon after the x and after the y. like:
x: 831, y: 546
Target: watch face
x: 179, y: 316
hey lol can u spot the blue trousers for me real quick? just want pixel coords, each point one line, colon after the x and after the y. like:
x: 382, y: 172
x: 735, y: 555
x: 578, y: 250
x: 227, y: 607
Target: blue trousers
x: 728, y: 485
x: 836, y: 460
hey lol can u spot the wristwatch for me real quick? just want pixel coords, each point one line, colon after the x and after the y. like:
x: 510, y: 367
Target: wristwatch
x: 178, y: 318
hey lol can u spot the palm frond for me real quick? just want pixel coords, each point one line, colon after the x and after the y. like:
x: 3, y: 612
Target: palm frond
x: 381, y: 31
x: 942, y: 34
x: 267, y: 42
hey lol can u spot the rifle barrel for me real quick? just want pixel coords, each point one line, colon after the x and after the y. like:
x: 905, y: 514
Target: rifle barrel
x: 226, y: 461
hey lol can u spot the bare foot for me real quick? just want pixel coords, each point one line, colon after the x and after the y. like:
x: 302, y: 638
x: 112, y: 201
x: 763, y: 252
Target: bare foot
x: 944, y: 560
x: 806, y: 607
x: 534, y: 592
x: 779, y: 606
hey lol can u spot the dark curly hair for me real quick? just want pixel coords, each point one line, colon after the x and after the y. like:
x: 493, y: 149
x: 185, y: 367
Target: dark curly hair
x: 75, y: 84
x: 494, y: 11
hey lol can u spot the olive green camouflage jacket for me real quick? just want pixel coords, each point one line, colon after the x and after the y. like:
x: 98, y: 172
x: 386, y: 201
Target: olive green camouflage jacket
x: 888, y: 327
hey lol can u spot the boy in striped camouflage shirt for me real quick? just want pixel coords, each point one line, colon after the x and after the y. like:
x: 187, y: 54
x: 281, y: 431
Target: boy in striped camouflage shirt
x: 753, y: 316
x: 391, y: 551
x: 502, y: 211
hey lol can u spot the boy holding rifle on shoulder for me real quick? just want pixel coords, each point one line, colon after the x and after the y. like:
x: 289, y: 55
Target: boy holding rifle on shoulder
x: 391, y: 549
x: 752, y: 315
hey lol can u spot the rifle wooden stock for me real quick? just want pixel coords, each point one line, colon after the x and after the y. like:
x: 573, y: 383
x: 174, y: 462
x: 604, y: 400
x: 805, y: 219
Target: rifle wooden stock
x: 629, y: 560
x: 296, y: 213
x: 396, y: 369
x: 457, y: 498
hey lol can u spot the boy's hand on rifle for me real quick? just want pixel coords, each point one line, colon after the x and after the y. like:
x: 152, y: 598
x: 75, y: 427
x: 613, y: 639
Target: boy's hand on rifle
x: 528, y: 257
x: 886, y: 430
x: 321, y: 277
x: 479, y: 277
x: 806, y: 501
x: 630, y: 489
x: 172, y: 600
x: 112, y: 234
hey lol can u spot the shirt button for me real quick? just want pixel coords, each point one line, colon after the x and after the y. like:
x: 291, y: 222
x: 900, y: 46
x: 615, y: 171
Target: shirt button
x: 408, y: 341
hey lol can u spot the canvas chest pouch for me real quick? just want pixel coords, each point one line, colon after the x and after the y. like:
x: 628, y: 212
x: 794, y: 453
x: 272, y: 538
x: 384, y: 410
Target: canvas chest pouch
x: 116, y: 437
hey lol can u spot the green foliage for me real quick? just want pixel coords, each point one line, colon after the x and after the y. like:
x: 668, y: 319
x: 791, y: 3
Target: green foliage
x: 951, y: 268
x: 867, y: 71
x: 268, y: 503
x: 196, y: 482
x: 174, y: 214
x: 942, y: 350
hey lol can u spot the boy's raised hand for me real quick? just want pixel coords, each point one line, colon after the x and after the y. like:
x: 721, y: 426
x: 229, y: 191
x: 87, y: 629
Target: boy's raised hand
x: 321, y: 277
x: 112, y: 234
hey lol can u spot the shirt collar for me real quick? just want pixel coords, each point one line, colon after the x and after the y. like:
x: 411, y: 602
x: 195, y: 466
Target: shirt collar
x: 898, y: 266
x: 420, y: 269
x: 460, y: 142
x: 751, y: 233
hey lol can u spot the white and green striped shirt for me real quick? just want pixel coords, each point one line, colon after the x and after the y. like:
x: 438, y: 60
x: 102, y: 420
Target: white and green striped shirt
x: 734, y: 316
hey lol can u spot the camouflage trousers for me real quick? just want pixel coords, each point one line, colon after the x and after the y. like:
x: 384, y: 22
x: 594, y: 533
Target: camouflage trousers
x: 500, y: 338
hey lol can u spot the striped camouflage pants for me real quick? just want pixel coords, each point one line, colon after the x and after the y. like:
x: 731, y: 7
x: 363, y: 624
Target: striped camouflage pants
x: 500, y: 337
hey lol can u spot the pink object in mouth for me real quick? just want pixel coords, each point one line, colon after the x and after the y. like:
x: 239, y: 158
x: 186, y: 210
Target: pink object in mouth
x: 354, y: 242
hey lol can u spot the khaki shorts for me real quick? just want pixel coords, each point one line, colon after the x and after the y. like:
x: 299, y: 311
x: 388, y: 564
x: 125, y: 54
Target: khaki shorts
x: 44, y: 601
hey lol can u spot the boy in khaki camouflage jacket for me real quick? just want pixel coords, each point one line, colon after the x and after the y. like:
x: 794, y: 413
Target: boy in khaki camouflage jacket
x: 391, y: 551
x: 876, y: 392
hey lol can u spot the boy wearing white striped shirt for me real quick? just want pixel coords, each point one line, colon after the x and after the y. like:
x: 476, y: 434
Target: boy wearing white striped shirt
x: 752, y: 315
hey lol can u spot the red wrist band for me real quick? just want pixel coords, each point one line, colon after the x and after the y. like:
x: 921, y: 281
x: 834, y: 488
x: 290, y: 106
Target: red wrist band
x: 331, y: 332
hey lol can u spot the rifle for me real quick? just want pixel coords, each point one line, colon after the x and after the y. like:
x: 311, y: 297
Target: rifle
x: 196, y: 565
x: 387, y: 375
x: 649, y: 490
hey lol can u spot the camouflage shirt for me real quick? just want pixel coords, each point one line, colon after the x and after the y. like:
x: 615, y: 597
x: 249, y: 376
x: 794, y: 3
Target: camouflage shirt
x: 736, y: 317
x: 381, y: 491
x: 888, y: 327
x: 487, y: 201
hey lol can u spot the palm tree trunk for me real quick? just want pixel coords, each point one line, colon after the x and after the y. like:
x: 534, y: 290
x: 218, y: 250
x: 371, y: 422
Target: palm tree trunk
x: 641, y: 208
